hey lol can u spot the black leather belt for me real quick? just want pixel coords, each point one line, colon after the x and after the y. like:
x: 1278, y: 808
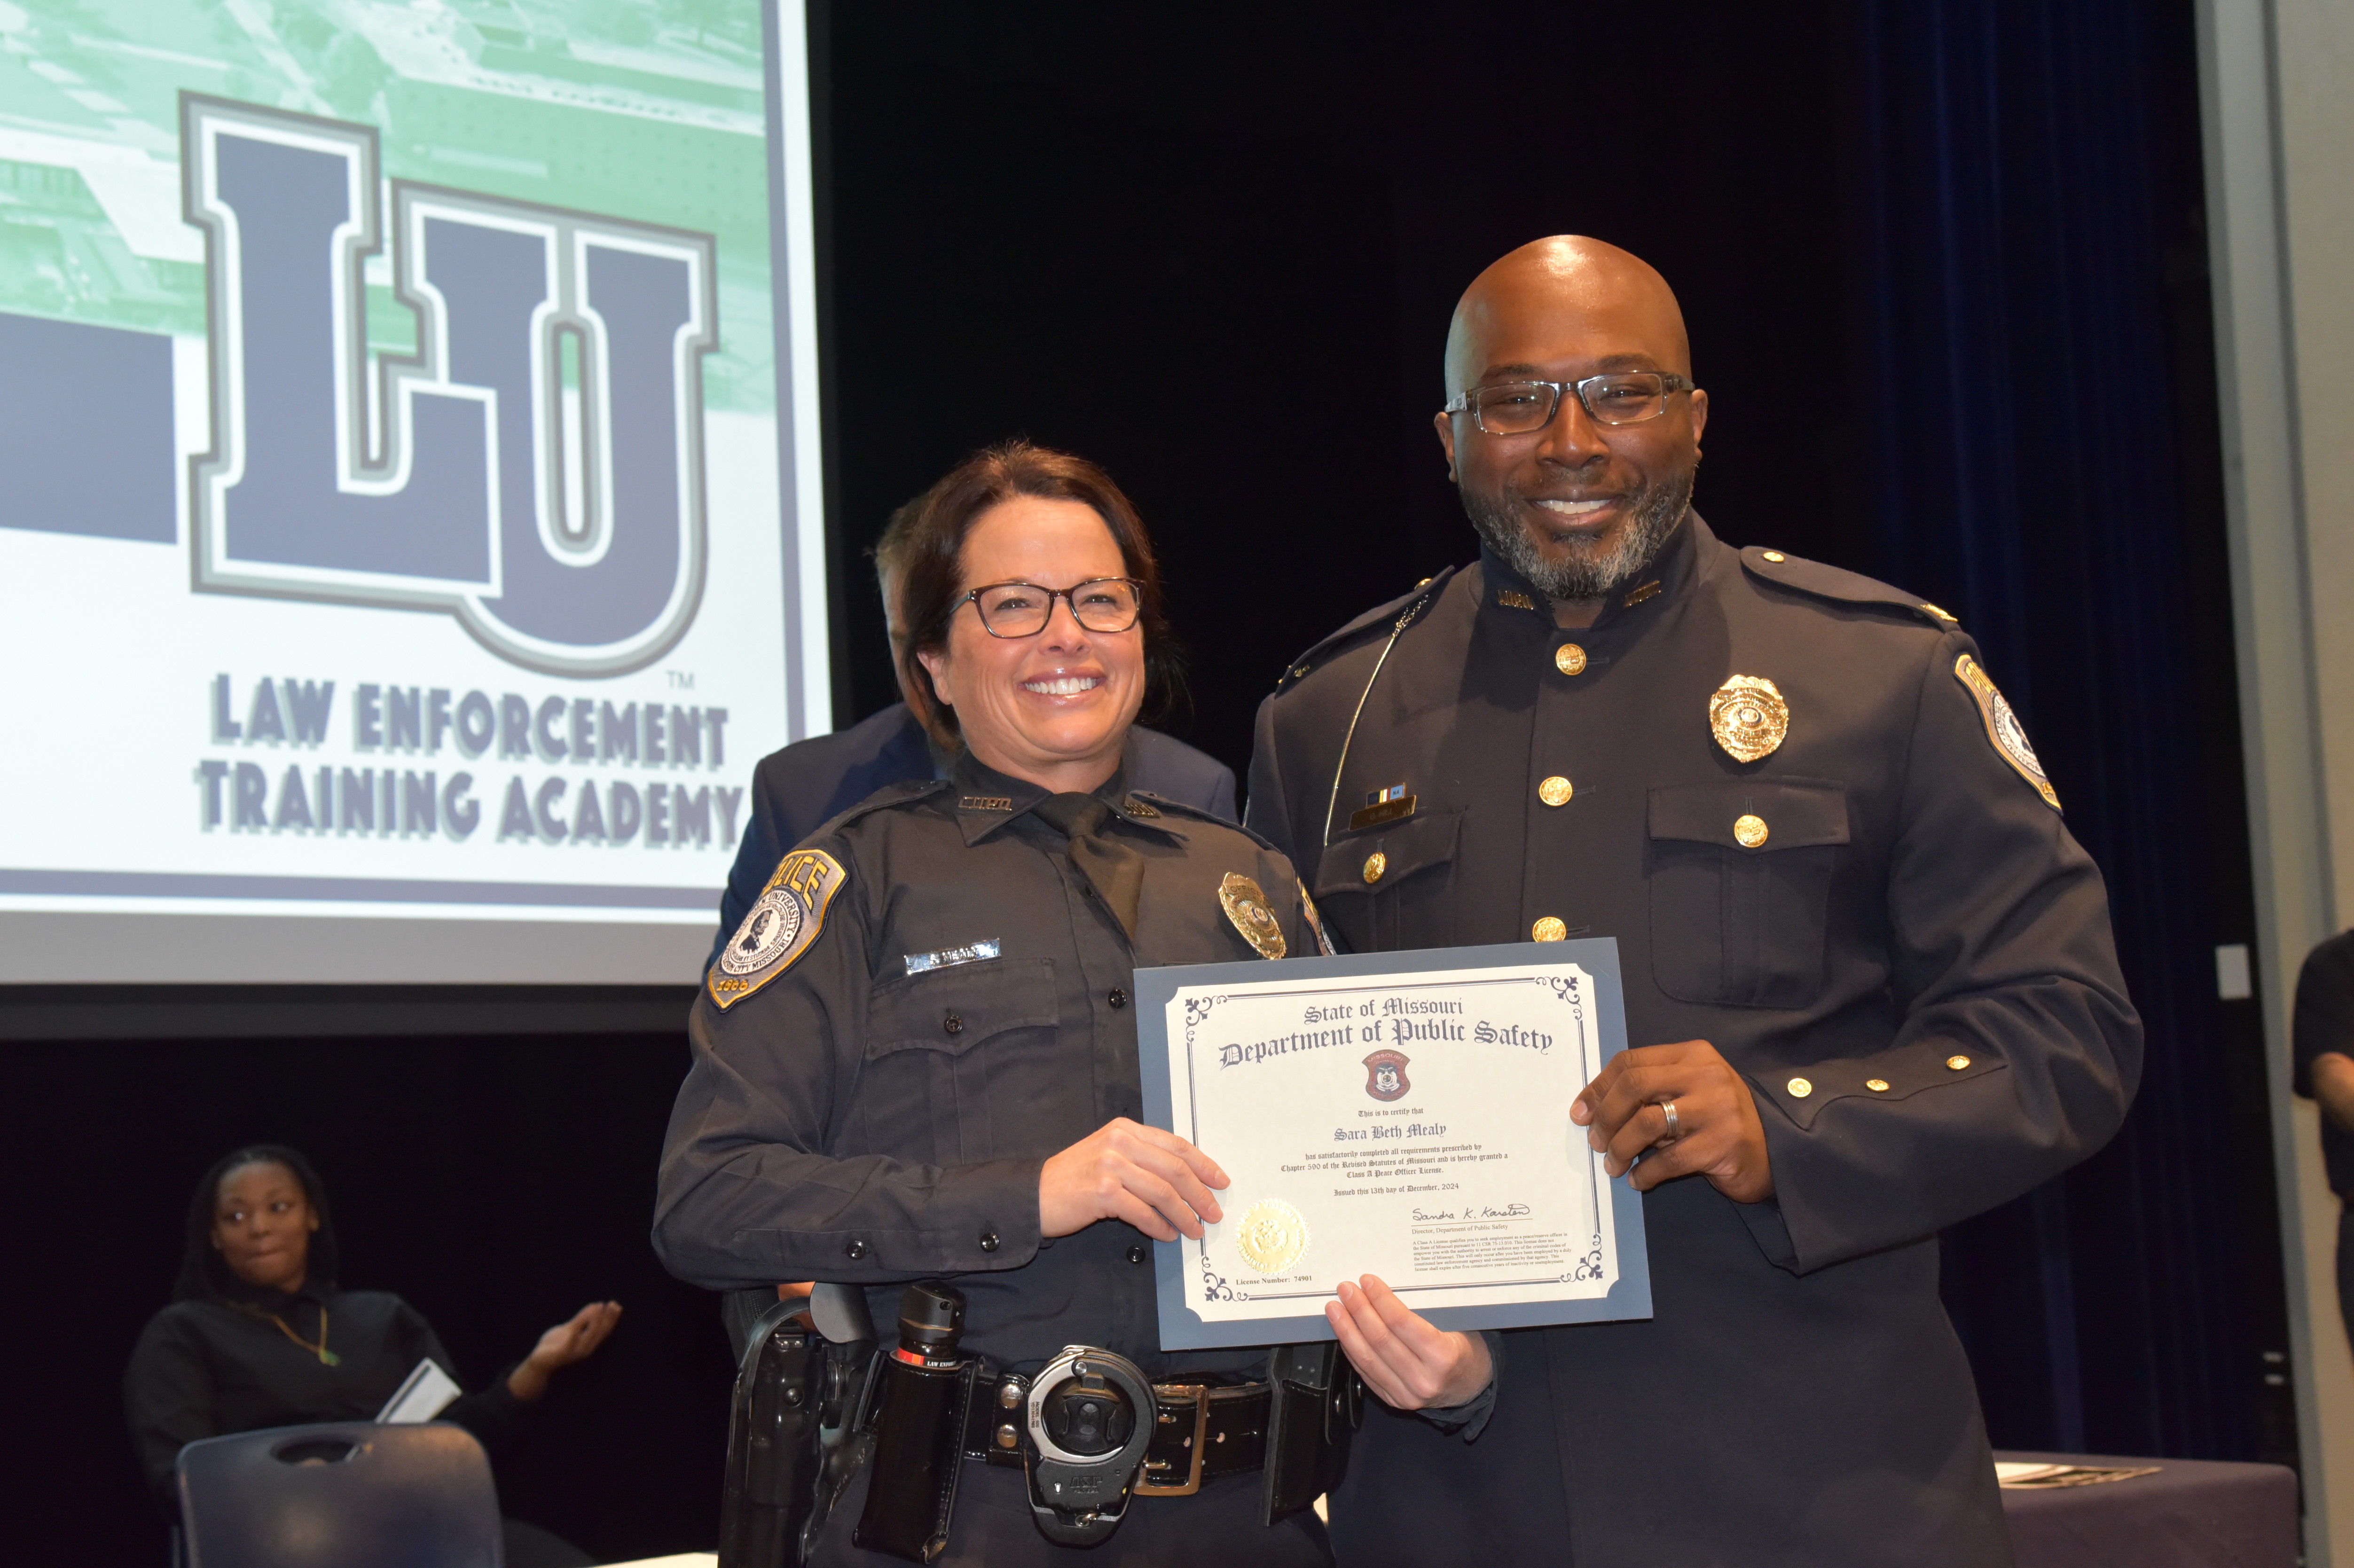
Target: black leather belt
x: 1200, y: 1430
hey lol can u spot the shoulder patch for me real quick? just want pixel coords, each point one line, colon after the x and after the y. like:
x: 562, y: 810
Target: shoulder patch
x: 1315, y: 920
x: 1391, y: 618
x: 2003, y: 728
x: 783, y: 923
x: 1839, y: 584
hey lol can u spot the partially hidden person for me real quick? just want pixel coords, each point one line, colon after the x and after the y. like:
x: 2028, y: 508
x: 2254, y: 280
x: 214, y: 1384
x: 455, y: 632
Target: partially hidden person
x: 2323, y: 1050
x: 260, y: 1334
x: 921, y: 1068
x: 1870, y: 985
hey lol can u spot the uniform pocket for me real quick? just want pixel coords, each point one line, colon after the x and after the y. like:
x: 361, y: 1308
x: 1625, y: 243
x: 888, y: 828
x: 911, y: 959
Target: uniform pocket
x: 1392, y: 887
x: 936, y: 1044
x: 1739, y: 876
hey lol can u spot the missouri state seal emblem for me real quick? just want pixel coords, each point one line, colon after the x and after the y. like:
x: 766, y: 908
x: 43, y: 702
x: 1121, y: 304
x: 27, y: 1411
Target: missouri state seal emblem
x: 1385, y: 1075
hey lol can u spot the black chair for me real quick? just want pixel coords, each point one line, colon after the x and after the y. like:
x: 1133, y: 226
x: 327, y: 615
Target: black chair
x: 342, y: 1495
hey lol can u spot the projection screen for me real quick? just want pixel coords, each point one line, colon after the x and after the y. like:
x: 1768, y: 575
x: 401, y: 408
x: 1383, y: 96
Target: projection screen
x: 410, y: 534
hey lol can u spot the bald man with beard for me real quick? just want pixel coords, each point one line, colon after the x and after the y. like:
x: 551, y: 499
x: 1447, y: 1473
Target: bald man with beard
x: 1870, y: 986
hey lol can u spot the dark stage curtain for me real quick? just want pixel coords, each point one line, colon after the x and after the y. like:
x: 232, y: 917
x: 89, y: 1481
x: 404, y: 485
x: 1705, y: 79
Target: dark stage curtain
x: 2042, y: 466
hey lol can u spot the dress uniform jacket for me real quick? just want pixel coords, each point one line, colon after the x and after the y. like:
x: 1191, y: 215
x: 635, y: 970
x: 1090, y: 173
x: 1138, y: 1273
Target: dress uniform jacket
x: 878, y: 1109
x: 1881, y: 924
x: 798, y: 789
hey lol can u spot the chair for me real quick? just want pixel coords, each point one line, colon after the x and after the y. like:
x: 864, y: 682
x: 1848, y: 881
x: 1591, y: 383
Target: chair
x: 342, y: 1495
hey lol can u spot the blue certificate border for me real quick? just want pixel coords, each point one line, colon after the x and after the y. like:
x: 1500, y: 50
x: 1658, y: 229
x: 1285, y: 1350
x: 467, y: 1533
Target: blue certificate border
x: 1183, y: 1328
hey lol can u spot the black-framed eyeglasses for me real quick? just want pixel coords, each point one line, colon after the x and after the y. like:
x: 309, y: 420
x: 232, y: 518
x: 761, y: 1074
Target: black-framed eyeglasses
x: 1521, y: 408
x: 1022, y: 610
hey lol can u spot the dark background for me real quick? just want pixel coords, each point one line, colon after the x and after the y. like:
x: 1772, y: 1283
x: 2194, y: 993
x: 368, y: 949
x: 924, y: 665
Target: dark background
x: 1944, y: 274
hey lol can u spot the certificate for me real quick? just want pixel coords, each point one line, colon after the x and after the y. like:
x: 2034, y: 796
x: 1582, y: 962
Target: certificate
x: 1405, y: 1115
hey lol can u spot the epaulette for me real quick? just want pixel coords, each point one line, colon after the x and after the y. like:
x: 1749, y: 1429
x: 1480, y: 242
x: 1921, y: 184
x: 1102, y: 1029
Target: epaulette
x: 1396, y: 615
x: 1840, y: 586
x: 903, y: 792
x: 1169, y: 807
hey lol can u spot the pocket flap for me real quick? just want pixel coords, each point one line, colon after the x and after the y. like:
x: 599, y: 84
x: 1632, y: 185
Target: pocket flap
x: 1794, y: 813
x: 1416, y: 845
x: 955, y: 1009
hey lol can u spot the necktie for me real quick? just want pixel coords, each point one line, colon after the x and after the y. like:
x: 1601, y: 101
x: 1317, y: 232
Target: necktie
x: 1114, y: 871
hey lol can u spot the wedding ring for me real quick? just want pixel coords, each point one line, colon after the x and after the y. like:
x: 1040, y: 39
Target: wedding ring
x: 1669, y: 1107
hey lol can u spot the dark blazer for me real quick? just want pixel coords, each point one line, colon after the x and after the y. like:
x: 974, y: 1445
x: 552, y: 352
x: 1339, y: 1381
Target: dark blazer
x: 800, y: 789
x: 1881, y: 924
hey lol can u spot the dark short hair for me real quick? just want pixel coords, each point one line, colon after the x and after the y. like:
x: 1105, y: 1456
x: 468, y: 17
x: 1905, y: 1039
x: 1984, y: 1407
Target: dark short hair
x: 205, y: 1275
x: 932, y: 581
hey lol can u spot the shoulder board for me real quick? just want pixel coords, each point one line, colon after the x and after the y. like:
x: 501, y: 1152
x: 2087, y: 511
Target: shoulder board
x: 907, y: 791
x: 1169, y: 807
x: 1840, y: 586
x: 1397, y: 614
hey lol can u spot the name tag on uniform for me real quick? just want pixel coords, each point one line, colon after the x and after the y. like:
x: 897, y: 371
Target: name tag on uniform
x: 970, y: 953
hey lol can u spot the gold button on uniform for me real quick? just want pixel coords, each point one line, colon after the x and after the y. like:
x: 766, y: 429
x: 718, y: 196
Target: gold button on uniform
x: 1748, y: 831
x: 1776, y: 557
x: 1375, y: 863
x: 1957, y: 1062
x: 1549, y: 929
x: 1569, y: 658
x: 1800, y: 1088
x: 1556, y: 791
x: 1877, y: 1085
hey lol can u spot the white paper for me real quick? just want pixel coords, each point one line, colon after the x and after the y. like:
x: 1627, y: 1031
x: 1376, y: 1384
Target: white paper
x: 1413, y: 1126
x: 425, y: 1393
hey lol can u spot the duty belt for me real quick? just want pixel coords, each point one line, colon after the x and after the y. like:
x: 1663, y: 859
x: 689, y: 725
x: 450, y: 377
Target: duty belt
x: 1200, y: 1430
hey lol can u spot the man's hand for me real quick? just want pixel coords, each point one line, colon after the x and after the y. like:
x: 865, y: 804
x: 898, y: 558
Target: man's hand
x: 2333, y: 1086
x: 575, y: 1340
x: 1154, y: 1179
x: 1408, y: 1363
x: 1717, y: 1134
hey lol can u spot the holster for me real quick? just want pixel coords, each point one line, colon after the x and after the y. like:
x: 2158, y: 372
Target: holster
x: 793, y: 1443
x: 772, y: 1442
x: 1317, y: 1402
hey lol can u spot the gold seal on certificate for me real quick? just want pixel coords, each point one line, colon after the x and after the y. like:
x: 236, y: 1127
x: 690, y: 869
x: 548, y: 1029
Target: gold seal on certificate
x: 1404, y: 1115
x: 1272, y: 1236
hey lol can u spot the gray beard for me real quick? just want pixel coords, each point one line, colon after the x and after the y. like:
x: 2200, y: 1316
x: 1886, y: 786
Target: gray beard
x: 1593, y: 570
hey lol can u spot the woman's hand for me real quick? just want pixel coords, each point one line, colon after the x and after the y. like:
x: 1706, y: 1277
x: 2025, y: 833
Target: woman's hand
x: 1407, y: 1361
x: 574, y: 1341
x: 1123, y: 1170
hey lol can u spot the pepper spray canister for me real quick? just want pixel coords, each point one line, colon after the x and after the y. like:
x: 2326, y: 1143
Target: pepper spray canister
x: 923, y: 1404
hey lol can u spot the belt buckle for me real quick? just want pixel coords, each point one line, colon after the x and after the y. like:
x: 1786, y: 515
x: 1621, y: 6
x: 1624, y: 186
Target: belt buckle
x: 1200, y: 1394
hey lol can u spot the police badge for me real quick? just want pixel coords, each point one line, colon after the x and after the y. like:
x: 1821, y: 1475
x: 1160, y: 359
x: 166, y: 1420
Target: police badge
x: 2003, y: 728
x: 1245, y: 905
x: 783, y: 922
x: 1748, y: 717
x: 1385, y: 1076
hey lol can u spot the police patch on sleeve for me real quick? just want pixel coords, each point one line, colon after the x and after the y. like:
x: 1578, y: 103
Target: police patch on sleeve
x: 784, y: 921
x: 2003, y: 728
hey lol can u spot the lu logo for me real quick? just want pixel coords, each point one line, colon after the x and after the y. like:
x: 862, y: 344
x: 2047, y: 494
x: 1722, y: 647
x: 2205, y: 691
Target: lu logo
x: 438, y: 483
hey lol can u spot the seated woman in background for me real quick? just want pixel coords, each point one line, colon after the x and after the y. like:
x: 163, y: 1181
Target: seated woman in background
x: 258, y: 1335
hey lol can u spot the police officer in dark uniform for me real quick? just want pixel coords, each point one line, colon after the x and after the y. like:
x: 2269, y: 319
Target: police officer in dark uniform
x: 798, y: 789
x: 1870, y: 984
x: 923, y: 1066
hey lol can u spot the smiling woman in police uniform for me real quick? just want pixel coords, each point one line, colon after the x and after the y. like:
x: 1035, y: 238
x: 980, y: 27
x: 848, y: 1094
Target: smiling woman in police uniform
x: 916, y: 1057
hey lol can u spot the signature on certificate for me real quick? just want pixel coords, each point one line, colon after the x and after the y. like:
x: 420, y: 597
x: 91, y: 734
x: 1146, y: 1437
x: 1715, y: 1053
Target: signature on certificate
x: 1482, y: 1212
